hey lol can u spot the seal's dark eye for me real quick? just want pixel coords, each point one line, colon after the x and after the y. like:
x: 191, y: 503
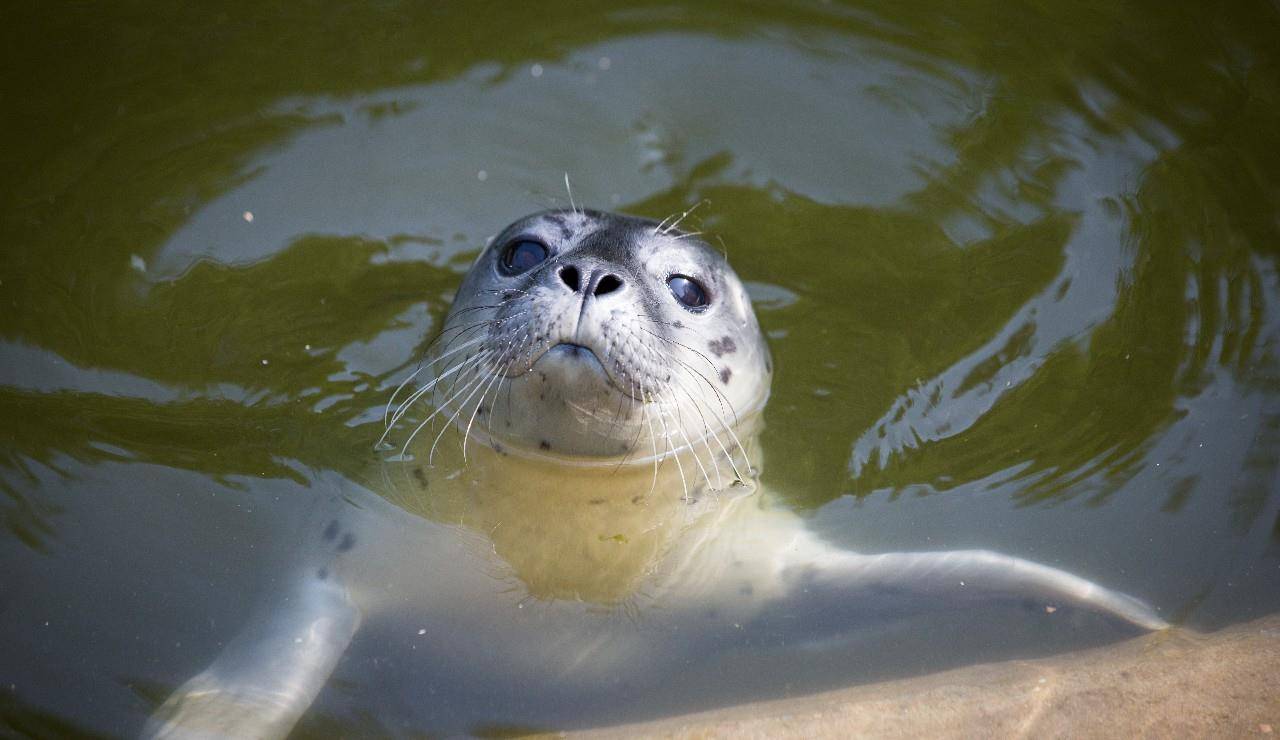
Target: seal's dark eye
x: 687, y: 291
x: 522, y: 255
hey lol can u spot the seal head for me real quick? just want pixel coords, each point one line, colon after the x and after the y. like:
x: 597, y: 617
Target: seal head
x: 597, y: 336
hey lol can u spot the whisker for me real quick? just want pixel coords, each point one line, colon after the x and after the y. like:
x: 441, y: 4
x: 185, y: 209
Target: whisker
x: 569, y: 189
x: 683, y: 216
x: 496, y: 375
x: 433, y: 414
x: 666, y: 433
x: 679, y: 424
x: 473, y: 387
x: 386, y: 415
x: 408, y: 402
x: 714, y: 370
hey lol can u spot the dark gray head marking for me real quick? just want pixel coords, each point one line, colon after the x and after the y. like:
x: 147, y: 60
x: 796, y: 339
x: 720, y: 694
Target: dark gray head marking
x: 722, y: 346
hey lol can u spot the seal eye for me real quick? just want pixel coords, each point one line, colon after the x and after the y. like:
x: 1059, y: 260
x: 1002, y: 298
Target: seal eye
x: 522, y: 255
x: 687, y: 291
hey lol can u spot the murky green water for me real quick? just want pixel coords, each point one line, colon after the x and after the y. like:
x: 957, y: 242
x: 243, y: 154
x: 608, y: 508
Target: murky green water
x: 1018, y: 266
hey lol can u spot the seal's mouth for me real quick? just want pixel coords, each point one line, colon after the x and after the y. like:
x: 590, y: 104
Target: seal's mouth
x: 574, y: 350
x: 574, y: 365
x: 579, y: 357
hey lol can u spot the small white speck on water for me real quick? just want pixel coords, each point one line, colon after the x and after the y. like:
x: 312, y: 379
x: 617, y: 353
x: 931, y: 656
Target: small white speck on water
x: 422, y: 632
x: 297, y: 640
x: 265, y: 362
x: 962, y: 583
x: 137, y: 263
x: 307, y: 347
x: 604, y: 64
x: 247, y: 216
x: 536, y: 70
x: 482, y: 175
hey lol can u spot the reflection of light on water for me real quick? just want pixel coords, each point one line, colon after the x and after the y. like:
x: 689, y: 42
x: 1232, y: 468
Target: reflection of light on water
x: 438, y: 160
x: 950, y: 403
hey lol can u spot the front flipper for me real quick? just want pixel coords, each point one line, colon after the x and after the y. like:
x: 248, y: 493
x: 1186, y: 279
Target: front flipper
x: 271, y: 672
x: 969, y: 575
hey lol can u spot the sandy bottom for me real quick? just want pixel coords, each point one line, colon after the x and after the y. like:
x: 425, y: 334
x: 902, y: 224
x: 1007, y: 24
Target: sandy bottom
x: 1169, y: 684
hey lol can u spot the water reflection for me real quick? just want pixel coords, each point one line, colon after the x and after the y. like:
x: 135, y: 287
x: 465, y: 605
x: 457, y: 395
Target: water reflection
x: 1025, y: 257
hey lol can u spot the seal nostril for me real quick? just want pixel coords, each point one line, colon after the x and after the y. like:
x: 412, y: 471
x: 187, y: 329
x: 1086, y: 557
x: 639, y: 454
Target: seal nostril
x: 569, y: 274
x: 608, y: 284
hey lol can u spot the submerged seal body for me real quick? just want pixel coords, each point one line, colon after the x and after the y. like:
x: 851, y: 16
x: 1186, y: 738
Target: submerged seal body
x: 600, y: 517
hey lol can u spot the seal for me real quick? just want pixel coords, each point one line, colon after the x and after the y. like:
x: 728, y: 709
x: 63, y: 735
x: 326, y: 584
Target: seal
x: 600, y: 333
x: 604, y: 375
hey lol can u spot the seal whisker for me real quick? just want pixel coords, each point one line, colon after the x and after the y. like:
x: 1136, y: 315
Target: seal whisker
x: 386, y: 416
x: 720, y: 396
x: 421, y: 366
x: 447, y: 329
x: 666, y: 433
x: 408, y: 402
x: 569, y: 189
x: 679, y: 424
x: 635, y: 442
x: 469, y: 389
x: 417, y: 394
x: 724, y: 424
x: 493, y: 370
x: 728, y: 429
x: 433, y: 414
x: 671, y: 227
x: 708, y: 432
x: 653, y: 440
x: 386, y: 411
x: 669, y: 340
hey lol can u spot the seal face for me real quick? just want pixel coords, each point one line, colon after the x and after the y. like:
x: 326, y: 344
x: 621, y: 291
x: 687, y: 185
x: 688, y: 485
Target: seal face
x: 586, y: 334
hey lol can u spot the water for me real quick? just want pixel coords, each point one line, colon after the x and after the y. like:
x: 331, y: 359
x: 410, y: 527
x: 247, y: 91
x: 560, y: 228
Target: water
x: 1018, y: 266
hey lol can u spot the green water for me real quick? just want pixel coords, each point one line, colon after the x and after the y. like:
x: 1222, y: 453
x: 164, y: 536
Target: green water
x: 1017, y: 264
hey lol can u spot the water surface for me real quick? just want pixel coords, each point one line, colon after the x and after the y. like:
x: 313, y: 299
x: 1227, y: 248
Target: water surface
x: 1018, y: 267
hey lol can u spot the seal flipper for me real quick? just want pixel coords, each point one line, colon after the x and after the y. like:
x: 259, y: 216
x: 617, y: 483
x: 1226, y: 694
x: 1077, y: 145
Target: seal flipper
x: 260, y: 685
x: 975, y: 574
